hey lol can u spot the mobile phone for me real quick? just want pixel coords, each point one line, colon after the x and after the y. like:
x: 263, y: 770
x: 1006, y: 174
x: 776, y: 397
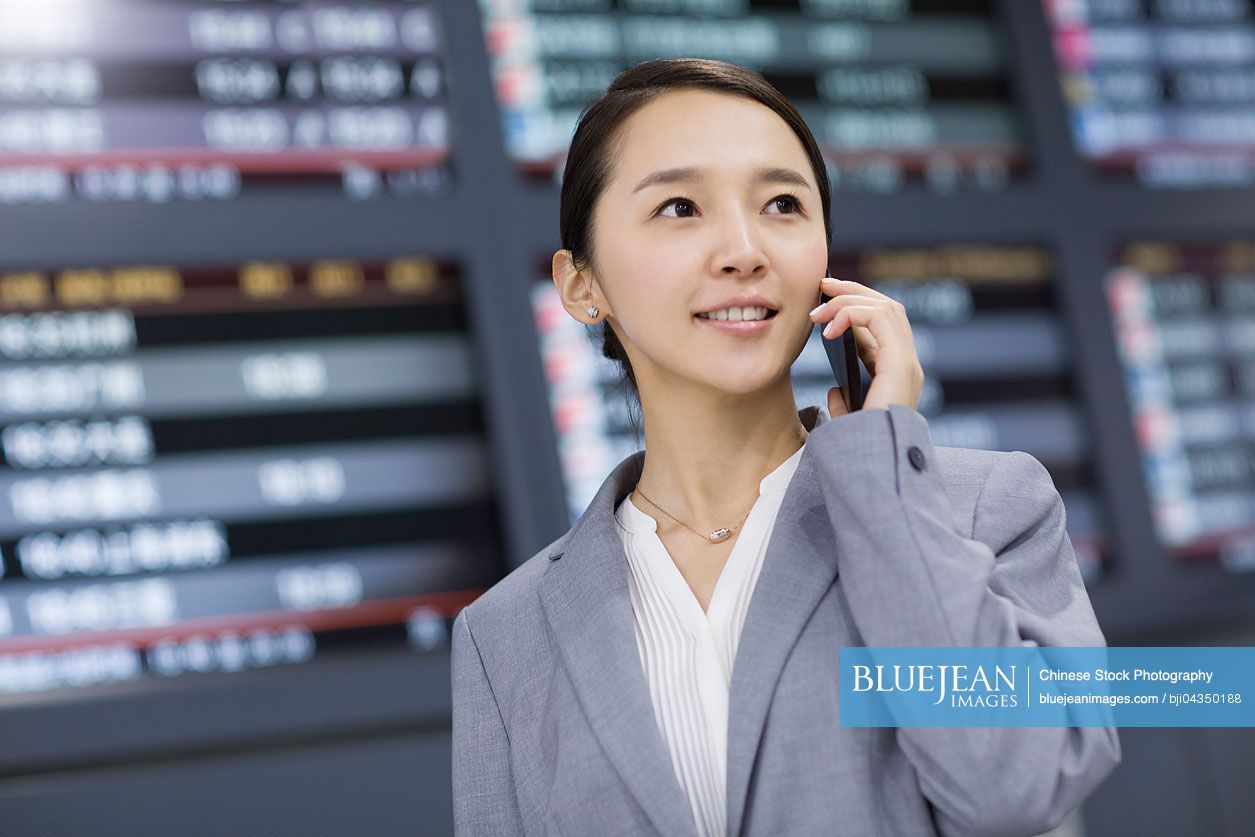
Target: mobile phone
x: 843, y: 358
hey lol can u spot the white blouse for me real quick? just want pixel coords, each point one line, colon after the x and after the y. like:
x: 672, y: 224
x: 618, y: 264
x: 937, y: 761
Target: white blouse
x: 687, y: 653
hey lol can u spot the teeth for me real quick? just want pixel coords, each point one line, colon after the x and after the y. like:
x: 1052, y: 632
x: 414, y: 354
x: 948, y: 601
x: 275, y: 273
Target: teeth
x: 736, y: 314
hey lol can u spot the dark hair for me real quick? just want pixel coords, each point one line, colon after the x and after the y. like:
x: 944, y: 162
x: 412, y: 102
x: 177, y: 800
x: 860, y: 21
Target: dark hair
x: 597, y: 140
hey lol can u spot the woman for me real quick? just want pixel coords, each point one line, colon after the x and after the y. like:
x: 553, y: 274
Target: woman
x: 594, y: 690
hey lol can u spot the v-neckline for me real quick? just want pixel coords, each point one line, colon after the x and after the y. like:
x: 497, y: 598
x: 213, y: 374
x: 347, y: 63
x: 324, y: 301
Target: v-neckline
x: 677, y: 587
x: 735, y: 567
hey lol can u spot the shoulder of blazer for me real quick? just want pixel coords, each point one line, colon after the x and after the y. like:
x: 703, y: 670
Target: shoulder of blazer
x: 965, y: 471
x: 512, y: 605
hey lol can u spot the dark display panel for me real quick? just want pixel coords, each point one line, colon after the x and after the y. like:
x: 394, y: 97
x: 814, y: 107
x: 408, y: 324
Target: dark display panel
x: 1162, y: 91
x: 223, y: 467
x: 156, y: 100
x: 989, y: 333
x: 1184, y: 314
x: 897, y: 93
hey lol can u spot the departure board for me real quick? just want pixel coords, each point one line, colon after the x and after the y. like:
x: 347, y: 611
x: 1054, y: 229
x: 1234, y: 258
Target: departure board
x: 1162, y: 91
x: 1184, y: 314
x: 156, y: 101
x: 897, y: 93
x: 224, y: 467
x: 1000, y: 373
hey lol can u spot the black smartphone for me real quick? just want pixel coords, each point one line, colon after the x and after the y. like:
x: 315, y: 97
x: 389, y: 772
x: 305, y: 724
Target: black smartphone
x: 843, y: 358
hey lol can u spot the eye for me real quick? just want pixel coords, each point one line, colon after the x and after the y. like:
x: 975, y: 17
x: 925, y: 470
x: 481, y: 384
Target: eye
x: 681, y: 200
x: 789, y: 196
x: 792, y: 198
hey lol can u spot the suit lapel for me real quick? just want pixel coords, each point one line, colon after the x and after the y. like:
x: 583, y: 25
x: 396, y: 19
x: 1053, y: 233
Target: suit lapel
x: 798, y: 568
x: 586, y: 599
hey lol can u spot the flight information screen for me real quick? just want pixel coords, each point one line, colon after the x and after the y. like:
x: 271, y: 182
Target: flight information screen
x: 1162, y: 91
x: 156, y: 101
x: 897, y: 92
x: 1184, y: 314
x: 1000, y: 373
x: 223, y: 467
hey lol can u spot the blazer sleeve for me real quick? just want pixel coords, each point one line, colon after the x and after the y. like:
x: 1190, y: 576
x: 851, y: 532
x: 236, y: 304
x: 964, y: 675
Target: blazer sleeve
x: 484, y: 800
x: 913, y: 578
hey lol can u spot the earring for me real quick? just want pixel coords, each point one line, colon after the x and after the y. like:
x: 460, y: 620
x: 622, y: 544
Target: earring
x: 592, y: 310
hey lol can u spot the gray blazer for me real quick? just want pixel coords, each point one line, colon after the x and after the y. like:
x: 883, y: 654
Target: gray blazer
x: 881, y: 539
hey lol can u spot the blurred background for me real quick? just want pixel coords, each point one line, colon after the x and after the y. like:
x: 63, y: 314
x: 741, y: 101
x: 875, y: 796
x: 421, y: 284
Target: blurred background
x: 284, y: 382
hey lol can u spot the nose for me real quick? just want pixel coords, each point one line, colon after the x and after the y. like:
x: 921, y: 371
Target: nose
x: 741, y: 249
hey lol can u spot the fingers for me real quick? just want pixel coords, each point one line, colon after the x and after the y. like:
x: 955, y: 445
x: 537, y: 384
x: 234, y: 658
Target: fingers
x: 839, y: 319
x: 838, y: 402
x: 880, y: 330
x: 832, y: 287
x: 855, y: 294
x: 861, y: 315
x: 882, y: 336
x: 840, y: 289
x: 868, y: 348
x: 824, y: 311
x: 845, y: 288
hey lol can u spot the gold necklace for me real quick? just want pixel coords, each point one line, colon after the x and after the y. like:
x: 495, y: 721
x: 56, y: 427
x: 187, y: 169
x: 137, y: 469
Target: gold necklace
x: 717, y: 536
x: 714, y: 537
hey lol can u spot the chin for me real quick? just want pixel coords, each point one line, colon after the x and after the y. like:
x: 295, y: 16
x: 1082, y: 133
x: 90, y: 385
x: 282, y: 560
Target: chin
x: 746, y: 384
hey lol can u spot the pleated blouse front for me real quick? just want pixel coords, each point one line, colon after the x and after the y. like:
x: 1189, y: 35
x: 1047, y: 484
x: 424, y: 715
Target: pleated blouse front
x: 687, y: 653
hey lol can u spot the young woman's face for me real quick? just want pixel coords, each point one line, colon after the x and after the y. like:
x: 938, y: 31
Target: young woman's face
x: 667, y: 250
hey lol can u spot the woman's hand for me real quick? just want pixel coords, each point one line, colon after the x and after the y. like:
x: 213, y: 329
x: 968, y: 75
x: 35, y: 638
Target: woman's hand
x: 885, y: 343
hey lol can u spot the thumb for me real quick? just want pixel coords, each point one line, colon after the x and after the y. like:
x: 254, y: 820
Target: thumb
x: 836, y: 402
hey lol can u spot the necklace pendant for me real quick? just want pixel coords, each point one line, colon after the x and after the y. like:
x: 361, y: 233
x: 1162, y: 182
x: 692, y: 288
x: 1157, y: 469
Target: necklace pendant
x: 719, y: 535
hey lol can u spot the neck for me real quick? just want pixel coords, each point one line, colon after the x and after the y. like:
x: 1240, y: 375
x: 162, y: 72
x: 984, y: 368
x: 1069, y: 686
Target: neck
x: 705, y: 458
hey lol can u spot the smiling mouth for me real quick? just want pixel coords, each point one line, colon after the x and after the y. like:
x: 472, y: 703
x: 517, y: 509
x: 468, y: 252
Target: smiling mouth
x: 700, y: 316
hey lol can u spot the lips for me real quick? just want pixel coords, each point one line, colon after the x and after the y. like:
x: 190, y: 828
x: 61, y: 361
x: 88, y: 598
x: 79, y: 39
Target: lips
x: 737, y: 327
x: 770, y: 313
x: 742, y: 301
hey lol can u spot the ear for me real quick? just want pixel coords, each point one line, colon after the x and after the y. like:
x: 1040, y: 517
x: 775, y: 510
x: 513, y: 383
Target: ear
x: 574, y: 288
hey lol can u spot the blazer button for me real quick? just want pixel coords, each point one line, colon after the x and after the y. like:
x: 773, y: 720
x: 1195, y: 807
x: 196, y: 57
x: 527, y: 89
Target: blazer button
x: 917, y: 458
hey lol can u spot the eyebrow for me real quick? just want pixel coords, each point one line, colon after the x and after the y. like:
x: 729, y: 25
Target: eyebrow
x: 767, y: 174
